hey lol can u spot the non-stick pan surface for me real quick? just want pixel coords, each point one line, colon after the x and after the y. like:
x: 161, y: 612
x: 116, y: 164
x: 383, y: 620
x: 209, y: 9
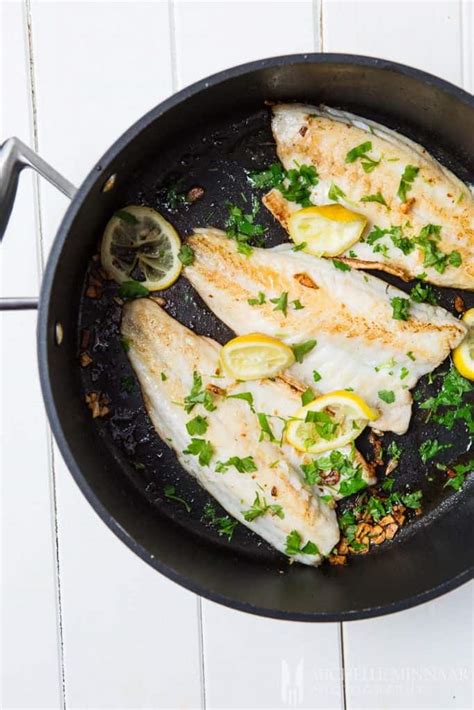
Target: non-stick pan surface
x: 211, y: 136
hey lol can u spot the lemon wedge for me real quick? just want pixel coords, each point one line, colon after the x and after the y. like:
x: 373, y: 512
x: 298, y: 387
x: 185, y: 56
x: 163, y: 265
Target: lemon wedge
x: 463, y: 355
x: 328, y: 422
x: 254, y: 356
x: 327, y: 230
x: 138, y: 243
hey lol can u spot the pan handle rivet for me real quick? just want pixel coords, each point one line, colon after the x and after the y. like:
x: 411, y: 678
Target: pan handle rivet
x: 109, y: 184
x: 58, y: 333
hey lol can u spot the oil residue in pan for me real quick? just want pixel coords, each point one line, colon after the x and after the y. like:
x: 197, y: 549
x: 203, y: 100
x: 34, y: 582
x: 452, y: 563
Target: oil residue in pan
x: 218, y: 160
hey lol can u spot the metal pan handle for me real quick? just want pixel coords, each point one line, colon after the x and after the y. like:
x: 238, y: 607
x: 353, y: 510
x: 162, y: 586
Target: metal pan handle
x: 14, y: 156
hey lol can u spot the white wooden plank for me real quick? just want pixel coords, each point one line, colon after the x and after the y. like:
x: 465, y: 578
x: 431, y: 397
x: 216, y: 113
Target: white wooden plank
x: 99, y: 66
x: 130, y: 636
x: 251, y: 662
x: 215, y: 35
x: 282, y: 664
x: 18, y: 255
x: 30, y: 667
x: 419, y: 658
x: 420, y: 33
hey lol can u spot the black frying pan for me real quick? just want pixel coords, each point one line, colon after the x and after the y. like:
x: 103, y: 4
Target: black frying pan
x: 209, y: 135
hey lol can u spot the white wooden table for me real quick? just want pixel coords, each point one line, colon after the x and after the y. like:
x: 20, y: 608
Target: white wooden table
x: 85, y: 623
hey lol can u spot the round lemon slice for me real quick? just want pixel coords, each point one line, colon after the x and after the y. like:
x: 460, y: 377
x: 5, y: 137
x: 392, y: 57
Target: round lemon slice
x: 254, y: 356
x: 139, y: 244
x: 327, y: 230
x: 463, y: 355
x: 328, y: 422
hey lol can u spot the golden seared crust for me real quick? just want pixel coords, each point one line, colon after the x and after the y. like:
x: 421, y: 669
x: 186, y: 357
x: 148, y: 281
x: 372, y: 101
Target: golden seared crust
x: 435, y: 196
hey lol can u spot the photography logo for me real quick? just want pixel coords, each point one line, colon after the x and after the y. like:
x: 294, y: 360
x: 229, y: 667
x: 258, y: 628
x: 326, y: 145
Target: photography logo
x: 292, y: 681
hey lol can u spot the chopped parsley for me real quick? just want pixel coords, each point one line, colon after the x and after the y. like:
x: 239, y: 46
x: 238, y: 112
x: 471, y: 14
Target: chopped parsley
x: 302, y: 349
x: 198, y: 425
x: 387, y: 396
x: 245, y: 465
x: 202, y: 449
x: 198, y: 395
x: 406, y: 181
x: 351, y: 475
x: 246, y: 396
x: 307, y: 396
x: 265, y: 427
x: 430, y: 448
x: 433, y: 257
x: 423, y: 293
x: 341, y: 265
x: 397, y: 236
x: 243, y: 229
x: 300, y: 246
x: 163, y: 377
x: 297, y: 305
x: 360, y: 151
x: 335, y: 193
x: 261, y: 507
x: 404, y: 372
x: 377, y: 197
x: 293, y: 545
x: 186, y: 255
x: 316, y: 376
x: 448, y: 406
x: 400, y: 308
x: 295, y: 184
x: 170, y: 493
x: 281, y: 303
x: 133, y: 289
x: 258, y: 301
x: 411, y: 356
x: 224, y: 524
x: 460, y: 471
x: 394, y: 451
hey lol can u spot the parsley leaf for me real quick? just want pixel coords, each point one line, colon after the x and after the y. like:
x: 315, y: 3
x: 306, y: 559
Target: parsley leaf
x: 295, y: 184
x: 378, y: 197
x: 246, y: 396
x: 265, y: 427
x: 198, y: 425
x: 394, y: 451
x: 457, y: 481
x: 293, y: 545
x: 400, y: 308
x: 127, y: 383
x: 316, y: 376
x: 186, y: 255
x: 423, y: 293
x: 302, y: 349
x: 202, y: 449
x: 260, y: 300
x: 198, y: 395
x: 430, y: 448
x: 335, y: 193
x: 243, y: 229
x: 170, y: 493
x: 260, y: 507
x: 307, y: 396
x: 433, y: 257
x: 406, y: 181
x: 133, y: 289
x: 281, y: 302
x: 447, y: 406
x: 341, y: 265
x: 224, y: 524
x: 360, y: 151
x: 387, y: 396
x: 246, y: 465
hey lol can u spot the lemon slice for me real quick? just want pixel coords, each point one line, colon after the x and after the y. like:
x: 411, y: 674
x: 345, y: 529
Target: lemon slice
x: 463, y: 355
x: 139, y: 244
x: 327, y: 230
x: 253, y: 356
x: 328, y: 422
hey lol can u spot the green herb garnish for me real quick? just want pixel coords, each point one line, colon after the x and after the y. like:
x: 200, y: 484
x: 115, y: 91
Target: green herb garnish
x: 170, y: 492
x: 198, y: 425
x: 202, y: 449
x: 258, y: 301
x: 224, y: 524
x: 341, y: 265
x: 261, y: 507
x: 335, y: 193
x: 198, y: 395
x: 293, y: 545
x: 377, y: 197
x: 302, y: 349
x: 186, y: 255
x: 245, y: 465
x: 133, y: 289
x: 387, y: 396
x: 281, y: 303
x: 430, y: 448
x: 406, y: 181
x: 400, y: 308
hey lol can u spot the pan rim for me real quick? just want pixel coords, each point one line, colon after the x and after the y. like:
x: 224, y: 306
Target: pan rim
x: 96, y: 175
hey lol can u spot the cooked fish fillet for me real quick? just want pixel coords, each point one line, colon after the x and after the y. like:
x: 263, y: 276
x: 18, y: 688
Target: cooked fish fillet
x: 159, y: 344
x: 323, y: 137
x: 359, y: 344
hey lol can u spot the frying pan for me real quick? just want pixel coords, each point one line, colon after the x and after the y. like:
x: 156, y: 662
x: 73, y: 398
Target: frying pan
x: 210, y: 134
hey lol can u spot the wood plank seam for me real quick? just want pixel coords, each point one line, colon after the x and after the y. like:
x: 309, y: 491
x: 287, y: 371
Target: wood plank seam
x: 28, y: 21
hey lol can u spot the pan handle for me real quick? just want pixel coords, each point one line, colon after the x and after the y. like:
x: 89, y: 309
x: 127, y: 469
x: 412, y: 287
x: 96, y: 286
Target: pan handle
x: 14, y: 156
